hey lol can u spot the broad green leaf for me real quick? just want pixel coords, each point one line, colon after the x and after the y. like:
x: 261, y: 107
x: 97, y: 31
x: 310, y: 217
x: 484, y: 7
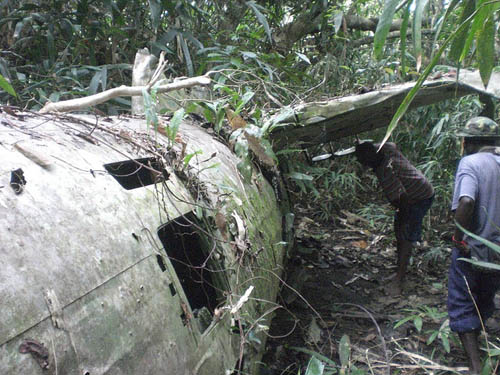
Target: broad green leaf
x: 260, y: 17
x: 244, y: 100
x: 315, y: 354
x: 187, y: 55
x: 417, y: 321
x: 236, y: 62
x: 54, y: 97
x: 403, y: 321
x: 94, y: 82
x: 411, y: 95
x: 404, y: 30
x: 446, y: 343
x: 155, y: 9
x: 303, y: 57
x: 284, y: 114
x: 299, y: 176
x: 480, y: 263
x: 486, y: 49
x: 209, y: 115
x: 484, y: 241
x: 188, y: 157
x: 476, y: 26
x: 432, y: 337
x: 5, y: 85
x: 337, y: 21
x: 417, y: 31
x: 175, y: 122
x: 461, y: 35
x: 248, y: 54
x: 383, y: 27
x: 344, y: 351
x: 315, y: 367
x: 443, y: 19
x: 20, y: 26
x: 149, y: 109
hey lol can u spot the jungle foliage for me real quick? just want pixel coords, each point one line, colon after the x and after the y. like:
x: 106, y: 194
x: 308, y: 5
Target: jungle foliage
x: 267, y: 55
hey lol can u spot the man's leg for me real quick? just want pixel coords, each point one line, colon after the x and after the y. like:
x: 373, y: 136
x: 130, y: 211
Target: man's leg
x: 471, y: 346
x: 404, y: 253
x: 404, y: 249
x: 464, y: 285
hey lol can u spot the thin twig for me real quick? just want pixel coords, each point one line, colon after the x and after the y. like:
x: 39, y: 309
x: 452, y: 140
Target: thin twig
x: 382, y: 340
x: 481, y: 321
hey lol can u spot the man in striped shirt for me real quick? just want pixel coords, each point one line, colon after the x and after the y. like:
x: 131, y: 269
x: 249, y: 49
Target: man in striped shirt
x: 408, y: 191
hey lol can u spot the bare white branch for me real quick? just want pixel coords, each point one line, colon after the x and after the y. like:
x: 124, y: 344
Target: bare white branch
x: 92, y: 100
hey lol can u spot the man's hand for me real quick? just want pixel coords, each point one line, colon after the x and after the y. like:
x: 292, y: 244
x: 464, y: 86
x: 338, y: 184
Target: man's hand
x: 461, y: 245
x: 463, y: 216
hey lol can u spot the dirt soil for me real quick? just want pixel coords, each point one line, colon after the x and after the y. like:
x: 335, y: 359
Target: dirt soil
x: 334, y: 304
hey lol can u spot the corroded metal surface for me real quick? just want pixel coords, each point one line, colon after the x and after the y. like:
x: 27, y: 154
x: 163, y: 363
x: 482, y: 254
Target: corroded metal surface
x: 321, y: 122
x: 80, y: 272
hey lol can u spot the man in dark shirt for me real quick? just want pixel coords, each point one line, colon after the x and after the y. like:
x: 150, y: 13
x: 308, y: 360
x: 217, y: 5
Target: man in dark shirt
x: 408, y: 191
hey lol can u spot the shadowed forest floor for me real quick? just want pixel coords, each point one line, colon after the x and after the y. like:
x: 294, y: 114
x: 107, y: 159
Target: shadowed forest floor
x: 334, y: 304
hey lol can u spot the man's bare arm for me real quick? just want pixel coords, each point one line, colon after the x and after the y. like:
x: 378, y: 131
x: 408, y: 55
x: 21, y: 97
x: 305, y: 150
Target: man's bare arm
x: 463, y: 216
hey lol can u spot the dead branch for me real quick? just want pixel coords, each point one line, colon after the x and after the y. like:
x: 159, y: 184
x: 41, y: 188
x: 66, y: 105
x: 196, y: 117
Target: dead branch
x: 92, y: 100
x: 391, y: 35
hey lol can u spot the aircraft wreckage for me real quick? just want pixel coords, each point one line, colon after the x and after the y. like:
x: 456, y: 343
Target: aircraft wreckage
x: 126, y: 251
x: 118, y: 257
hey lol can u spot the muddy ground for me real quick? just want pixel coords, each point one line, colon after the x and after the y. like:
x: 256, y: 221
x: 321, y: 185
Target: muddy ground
x: 334, y: 303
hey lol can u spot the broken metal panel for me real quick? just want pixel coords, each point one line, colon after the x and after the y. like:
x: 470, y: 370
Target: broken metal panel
x: 253, y: 218
x: 317, y: 123
x: 253, y: 248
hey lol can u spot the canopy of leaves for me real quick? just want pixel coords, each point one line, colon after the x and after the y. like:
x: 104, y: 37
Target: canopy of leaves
x: 283, y: 51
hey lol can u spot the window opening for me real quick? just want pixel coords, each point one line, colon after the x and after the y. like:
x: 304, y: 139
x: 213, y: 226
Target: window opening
x: 184, y: 247
x: 133, y: 174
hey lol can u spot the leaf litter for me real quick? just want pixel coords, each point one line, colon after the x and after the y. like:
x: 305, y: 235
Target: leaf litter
x: 334, y: 294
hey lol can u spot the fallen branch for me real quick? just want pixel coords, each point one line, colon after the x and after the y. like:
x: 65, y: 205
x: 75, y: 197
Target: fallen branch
x: 431, y: 364
x: 80, y: 103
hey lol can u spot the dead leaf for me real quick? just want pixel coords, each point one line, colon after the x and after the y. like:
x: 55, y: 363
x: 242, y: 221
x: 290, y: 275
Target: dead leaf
x: 218, y: 312
x: 178, y: 139
x: 353, y: 218
x: 240, y: 240
x: 314, y: 332
x: 34, y: 155
x: 221, y: 222
x: 362, y: 244
x: 259, y: 150
x: 235, y: 120
x: 369, y: 337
